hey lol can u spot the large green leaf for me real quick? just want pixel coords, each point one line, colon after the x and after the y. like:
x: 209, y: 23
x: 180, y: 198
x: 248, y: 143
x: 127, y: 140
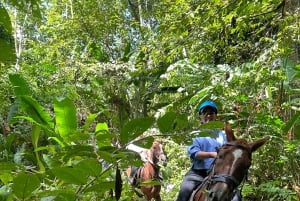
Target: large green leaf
x: 135, y: 128
x: 65, y: 116
x: 70, y: 175
x: 90, y: 167
x: 172, y: 121
x: 72, y: 151
x: 20, y: 85
x: 103, y: 135
x: 36, y: 111
x: 24, y: 185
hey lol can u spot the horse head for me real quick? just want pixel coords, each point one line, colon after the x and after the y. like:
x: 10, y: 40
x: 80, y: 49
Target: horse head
x: 231, y: 166
x: 157, y: 154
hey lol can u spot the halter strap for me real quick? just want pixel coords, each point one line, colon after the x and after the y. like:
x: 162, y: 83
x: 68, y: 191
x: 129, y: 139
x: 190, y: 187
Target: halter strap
x: 228, y: 179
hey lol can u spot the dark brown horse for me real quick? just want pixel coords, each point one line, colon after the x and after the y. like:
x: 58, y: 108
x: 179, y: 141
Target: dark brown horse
x: 149, y: 173
x: 229, y: 169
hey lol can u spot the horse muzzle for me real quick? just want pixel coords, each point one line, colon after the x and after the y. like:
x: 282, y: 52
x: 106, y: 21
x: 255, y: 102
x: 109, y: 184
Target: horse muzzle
x: 162, y: 160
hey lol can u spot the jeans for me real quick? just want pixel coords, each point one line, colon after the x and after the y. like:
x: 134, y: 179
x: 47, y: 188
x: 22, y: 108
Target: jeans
x: 190, y: 181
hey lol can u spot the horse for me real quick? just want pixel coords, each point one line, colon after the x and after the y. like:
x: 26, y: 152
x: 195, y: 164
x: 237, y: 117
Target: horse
x: 149, y: 172
x: 228, y: 170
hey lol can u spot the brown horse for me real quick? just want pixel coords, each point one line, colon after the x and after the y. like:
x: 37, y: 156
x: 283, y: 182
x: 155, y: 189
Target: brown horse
x: 149, y: 173
x: 228, y: 170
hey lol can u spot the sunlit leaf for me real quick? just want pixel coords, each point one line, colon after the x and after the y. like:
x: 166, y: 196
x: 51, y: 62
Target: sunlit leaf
x: 65, y: 116
x: 199, y: 96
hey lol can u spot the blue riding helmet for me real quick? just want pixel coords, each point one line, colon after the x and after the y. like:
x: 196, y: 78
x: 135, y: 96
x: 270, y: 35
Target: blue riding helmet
x: 208, y: 103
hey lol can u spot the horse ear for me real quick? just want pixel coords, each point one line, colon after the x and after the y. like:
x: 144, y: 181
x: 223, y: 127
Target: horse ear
x: 229, y: 132
x: 258, y: 143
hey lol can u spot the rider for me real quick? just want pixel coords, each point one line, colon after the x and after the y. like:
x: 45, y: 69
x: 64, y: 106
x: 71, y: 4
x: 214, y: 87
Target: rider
x: 202, y: 153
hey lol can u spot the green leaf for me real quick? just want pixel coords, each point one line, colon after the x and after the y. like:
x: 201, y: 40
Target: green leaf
x: 135, y: 128
x: 24, y: 185
x: 65, y: 116
x: 90, y: 167
x: 291, y: 122
x: 103, y: 135
x: 172, y: 121
x: 166, y: 123
x: 7, y: 167
x: 70, y: 175
x: 20, y: 85
x: 6, y: 178
x: 78, y: 150
x: 101, y: 186
x: 35, y: 135
x: 5, y: 19
x: 89, y: 121
x: 200, y: 95
x: 212, y: 125
x: 57, y: 195
x: 36, y: 111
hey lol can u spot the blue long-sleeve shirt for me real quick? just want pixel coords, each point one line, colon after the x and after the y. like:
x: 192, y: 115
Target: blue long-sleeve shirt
x: 207, y: 144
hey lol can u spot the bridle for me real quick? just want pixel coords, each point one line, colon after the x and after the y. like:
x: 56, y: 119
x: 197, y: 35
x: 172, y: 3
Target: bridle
x: 230, y: 180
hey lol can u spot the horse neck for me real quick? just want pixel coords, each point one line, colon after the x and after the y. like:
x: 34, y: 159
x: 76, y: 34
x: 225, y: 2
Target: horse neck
x: 151, y: 170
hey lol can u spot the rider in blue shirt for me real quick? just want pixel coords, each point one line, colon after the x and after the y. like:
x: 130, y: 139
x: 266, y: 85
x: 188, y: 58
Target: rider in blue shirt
x: 202, y: 153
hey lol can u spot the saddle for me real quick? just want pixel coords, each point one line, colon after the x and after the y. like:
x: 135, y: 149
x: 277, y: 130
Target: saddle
x: 135, y: 175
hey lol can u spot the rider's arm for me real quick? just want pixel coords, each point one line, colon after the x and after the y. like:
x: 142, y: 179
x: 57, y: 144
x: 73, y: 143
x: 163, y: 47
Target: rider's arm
x: 203, y: 154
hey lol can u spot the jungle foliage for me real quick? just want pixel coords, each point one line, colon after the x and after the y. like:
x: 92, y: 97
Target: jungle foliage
x: 81, y: 80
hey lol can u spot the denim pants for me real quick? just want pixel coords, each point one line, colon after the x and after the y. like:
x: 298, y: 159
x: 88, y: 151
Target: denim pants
x: 190, y: 181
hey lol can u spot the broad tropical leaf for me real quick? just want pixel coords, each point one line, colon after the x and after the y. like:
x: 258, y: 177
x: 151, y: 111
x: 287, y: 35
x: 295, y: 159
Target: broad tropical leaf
x: 36, y: 111
x: 171, y: 122
x: 65, y: 117
x: 70, y: 175
x: 20, y: 85
x: 135, y: 128
x: 24, y: 185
